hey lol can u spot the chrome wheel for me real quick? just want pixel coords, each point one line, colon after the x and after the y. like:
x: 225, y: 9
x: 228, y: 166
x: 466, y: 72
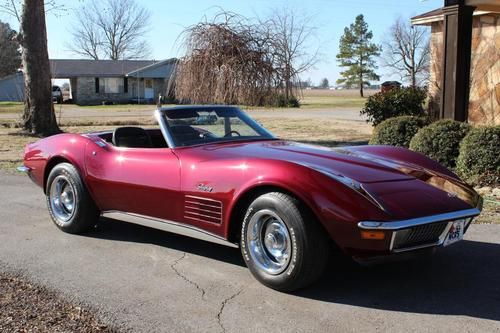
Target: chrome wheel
x: 269, y: 242
x: 62, y: 199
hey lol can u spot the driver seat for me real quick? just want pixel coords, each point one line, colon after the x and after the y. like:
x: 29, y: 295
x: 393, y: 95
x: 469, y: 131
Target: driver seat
x: 131, y: 137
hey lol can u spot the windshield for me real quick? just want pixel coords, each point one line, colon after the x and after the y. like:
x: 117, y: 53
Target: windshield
x: 194, y: 126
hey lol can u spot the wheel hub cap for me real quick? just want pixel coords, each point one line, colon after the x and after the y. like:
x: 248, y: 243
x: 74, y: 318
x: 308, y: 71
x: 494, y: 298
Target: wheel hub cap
x: 62, y: 199
x: 269, y: 242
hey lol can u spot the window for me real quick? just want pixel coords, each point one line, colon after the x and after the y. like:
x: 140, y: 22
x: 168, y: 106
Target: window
x: 111, y: 85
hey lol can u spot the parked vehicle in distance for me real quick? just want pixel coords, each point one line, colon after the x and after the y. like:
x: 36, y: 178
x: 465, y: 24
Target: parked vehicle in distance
x: 57, y: 95
x: 212, y: 172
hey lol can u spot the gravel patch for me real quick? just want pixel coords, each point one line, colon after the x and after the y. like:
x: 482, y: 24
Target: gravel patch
x: 28, y: 307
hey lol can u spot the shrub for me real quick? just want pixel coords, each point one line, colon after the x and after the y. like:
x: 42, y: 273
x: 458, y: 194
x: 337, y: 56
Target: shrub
x: 440, y: 141
x: 397, y: 102
x: 281, y: 102
x: 479, y: 158
x: 397, y: 131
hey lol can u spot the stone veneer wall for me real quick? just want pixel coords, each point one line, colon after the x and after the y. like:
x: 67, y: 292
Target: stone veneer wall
x: 436, y: 55
x: 484, y: 98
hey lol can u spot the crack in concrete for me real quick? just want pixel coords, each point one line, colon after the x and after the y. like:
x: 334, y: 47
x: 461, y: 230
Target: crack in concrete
x: 223, y: 305
x: 185, y: 278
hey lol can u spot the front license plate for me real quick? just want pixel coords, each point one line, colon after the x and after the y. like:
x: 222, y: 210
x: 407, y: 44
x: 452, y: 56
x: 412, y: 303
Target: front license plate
x: 455, y: 233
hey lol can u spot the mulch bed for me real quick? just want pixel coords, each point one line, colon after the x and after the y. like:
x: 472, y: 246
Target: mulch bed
x: 27, y: 307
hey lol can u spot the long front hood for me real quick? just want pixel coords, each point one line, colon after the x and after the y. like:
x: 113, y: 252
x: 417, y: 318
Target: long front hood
x: 340, y: 162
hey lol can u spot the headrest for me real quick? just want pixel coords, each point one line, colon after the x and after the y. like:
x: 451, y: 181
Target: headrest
x: 133, y: 137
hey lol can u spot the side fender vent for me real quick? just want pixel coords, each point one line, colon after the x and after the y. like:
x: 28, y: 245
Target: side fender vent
x: 202, y: 209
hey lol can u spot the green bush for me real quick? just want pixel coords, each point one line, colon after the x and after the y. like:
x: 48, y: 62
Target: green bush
x: 479, y: 158
x: 397, y: 131
x: 397, y: 102
x: 281, y: 102
x: 440, y: 141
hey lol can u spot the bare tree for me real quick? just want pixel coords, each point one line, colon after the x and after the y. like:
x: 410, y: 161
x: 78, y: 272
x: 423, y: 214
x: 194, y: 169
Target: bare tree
x: 38, y: 115
x: 227, y: 61
x: 291, y: 36
x: 407, y: 51
x: 111, y: 29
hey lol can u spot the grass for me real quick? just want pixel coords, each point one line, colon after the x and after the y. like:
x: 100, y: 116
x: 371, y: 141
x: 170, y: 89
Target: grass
x: 326, y: 99
x: 11, y: 107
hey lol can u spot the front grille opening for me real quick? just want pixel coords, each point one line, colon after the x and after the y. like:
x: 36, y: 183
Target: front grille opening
x: 419, y: 235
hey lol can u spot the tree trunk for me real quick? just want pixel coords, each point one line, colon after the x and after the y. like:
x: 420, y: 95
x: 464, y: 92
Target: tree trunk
x: 38, y: 116
x: 361, y: 93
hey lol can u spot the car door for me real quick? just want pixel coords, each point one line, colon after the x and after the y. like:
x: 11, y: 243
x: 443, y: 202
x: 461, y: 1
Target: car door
x: 143, y: 181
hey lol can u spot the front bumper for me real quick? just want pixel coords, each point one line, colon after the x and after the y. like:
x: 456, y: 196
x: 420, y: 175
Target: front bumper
x: 419, y: 233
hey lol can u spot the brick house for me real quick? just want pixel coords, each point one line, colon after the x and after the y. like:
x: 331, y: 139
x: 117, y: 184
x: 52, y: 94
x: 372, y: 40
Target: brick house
x: 117, y: 81
x: 471, y: 62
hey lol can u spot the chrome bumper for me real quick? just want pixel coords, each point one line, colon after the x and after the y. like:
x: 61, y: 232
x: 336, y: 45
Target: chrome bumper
x: 23, y: 169
x: 434, y: 228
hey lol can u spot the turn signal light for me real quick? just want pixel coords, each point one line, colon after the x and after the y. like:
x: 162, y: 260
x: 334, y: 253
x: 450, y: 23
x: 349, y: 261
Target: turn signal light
x: 374, y: 235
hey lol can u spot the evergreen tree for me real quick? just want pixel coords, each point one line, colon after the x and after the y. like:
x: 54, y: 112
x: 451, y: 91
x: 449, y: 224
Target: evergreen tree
x: 356, y: 53
x: 10, y: 56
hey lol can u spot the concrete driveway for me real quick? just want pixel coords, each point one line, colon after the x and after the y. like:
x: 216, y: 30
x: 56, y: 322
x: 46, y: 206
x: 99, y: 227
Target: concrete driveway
x: 152, y: 281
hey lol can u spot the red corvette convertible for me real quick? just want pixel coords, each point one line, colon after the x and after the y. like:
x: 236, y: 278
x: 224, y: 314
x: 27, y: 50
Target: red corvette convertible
x: 212, y: 172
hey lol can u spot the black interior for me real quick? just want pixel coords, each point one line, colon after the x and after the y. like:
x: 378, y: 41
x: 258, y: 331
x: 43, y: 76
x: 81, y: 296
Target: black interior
x: 135, y: 137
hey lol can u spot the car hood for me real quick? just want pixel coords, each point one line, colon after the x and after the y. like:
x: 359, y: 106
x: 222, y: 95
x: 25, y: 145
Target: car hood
x: 343, y: 161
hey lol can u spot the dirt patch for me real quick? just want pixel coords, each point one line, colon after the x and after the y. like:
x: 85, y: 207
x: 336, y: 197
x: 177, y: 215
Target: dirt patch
x: 27, y: 307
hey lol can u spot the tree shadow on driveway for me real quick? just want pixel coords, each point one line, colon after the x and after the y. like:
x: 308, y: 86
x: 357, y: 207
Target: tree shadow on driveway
x: 463, y: 279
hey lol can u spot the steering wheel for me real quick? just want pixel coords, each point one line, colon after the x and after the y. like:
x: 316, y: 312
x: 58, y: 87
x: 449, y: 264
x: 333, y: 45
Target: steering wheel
x: 231, y: 134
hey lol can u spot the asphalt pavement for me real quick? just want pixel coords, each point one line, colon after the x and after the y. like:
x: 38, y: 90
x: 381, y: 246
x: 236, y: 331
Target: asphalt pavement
x: 152, y: 281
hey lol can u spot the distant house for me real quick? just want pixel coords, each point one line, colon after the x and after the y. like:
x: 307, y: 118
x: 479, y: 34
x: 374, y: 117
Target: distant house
x: 389, y: 85
x: 12, y: 88
x: 117, y: 81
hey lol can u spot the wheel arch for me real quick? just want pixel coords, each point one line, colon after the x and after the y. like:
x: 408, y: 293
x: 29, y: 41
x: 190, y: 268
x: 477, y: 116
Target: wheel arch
x: 54, y: 161
x: 238, y: 209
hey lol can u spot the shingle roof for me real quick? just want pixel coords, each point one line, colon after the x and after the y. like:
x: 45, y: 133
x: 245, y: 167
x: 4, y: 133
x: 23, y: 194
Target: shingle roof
x: 67, y: 68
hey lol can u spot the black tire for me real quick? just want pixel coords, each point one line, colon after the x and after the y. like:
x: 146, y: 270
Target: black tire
x: 64, y: 178
x: 309, y: 246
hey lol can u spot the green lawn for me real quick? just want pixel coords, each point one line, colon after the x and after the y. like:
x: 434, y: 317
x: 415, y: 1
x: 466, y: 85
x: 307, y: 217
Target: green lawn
x: 11, y: 107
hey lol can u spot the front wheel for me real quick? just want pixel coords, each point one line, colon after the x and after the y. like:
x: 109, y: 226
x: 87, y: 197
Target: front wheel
x: 283, y: 245
x: 69, y: 203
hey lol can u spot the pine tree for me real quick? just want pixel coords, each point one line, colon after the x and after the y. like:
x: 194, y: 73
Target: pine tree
x: 10, y: 56
x: 356, y: 53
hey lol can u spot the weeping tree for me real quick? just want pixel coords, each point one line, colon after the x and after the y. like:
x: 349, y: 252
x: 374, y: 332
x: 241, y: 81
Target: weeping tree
x: 227, y: 61
x: 234, y: 60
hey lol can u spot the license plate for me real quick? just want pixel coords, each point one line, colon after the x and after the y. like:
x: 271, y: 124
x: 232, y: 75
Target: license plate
x: 456, y: 233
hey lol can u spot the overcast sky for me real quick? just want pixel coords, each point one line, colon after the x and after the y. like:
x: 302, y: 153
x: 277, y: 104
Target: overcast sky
x: 329, y: 16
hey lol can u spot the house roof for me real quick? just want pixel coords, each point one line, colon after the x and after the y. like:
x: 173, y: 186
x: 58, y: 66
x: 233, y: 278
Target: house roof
x: 159, y: 69
x: 69, y: 68
x: 437, y: 15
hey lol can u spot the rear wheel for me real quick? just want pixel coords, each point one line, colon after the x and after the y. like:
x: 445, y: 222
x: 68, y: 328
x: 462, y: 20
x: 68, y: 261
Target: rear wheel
x: 70, y: 205
x: 283, y: 245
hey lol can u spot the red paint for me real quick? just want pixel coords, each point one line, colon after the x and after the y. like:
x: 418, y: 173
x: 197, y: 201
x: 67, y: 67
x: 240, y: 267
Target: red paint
x: 154, y: 182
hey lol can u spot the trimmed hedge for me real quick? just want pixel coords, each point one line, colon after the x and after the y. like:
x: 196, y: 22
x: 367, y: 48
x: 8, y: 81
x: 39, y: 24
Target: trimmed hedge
x: 479, y: 158
x: 397, y: 131
x: 440, y: 141
x: 397, y: 102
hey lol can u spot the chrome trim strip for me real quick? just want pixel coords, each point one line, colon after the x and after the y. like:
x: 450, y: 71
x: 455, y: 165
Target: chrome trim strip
x: 167, y: 225
x: 164, y: 128
x: 203, y: 198
x: 403, y: 224
x: 23, y: 169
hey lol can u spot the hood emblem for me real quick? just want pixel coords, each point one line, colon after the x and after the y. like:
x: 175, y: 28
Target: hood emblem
x: 452, y: 194
x: 204, y: 188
